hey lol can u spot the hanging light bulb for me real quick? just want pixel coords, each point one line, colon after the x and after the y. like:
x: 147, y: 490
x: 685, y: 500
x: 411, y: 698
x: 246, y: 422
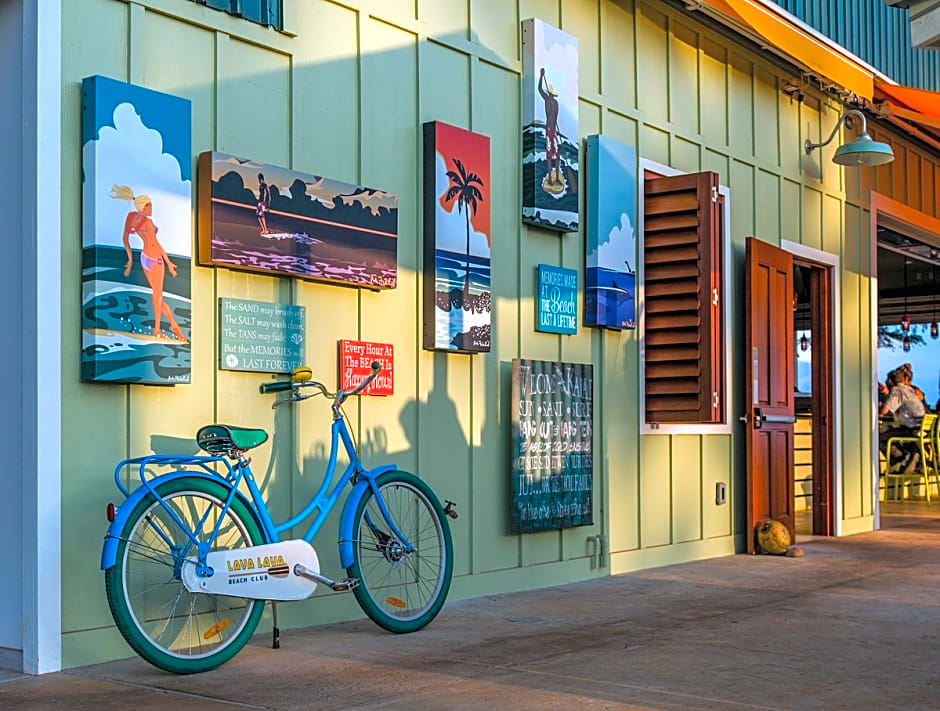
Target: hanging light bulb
x: 906, y: 344
x: 934, y: 327
x: 906, y: 318
x: 804, y: 343
x: 796, y: 299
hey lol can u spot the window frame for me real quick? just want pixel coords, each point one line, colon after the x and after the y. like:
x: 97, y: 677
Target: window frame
x: 651, y: 428
x: 239, y: 13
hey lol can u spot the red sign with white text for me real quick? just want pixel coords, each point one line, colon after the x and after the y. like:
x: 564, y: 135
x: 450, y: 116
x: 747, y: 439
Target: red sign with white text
x: 355, y: 365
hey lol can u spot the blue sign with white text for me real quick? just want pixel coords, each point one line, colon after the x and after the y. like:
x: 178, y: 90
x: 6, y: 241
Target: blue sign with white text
x: 557, y: 302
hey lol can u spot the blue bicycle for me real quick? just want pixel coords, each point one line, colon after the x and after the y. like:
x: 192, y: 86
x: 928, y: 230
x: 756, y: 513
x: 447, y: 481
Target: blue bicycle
x: 189, y: 560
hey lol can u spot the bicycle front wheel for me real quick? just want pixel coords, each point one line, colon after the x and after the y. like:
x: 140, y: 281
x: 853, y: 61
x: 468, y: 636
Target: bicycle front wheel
x: 402, y: 591
x: 160, y: 619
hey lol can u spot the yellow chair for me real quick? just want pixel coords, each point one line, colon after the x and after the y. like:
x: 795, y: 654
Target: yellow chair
x: 927, y: 439
x: 882, y: 482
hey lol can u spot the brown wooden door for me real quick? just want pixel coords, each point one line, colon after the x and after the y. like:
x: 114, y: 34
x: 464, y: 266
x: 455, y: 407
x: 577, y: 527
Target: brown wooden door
x: 821, y: 301
x: 769, y: 368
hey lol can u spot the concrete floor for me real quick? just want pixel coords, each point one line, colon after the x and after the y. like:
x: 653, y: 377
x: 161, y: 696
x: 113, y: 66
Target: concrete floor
x: 854, y: 625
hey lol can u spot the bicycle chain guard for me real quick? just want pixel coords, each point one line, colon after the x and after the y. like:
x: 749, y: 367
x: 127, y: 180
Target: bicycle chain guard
x: 257, y: 573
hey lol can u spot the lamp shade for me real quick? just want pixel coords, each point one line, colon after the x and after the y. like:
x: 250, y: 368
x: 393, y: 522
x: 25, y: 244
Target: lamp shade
x: 863, y: 151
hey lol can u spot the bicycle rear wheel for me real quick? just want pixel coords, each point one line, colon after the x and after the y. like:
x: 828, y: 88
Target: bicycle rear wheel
x: 402, y: 591
x: 160, y: 619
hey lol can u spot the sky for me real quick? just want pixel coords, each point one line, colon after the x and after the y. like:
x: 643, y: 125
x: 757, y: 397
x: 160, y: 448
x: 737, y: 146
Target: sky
x: 615, y: 197
x: 321, y: 189
x: 168, y: 115
x: 924, y: 359
x: 557, y: 52
x: 129, y: 151
x: 473, y: 152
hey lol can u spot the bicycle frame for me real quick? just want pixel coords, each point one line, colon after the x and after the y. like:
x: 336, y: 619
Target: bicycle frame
x: 322, y: 502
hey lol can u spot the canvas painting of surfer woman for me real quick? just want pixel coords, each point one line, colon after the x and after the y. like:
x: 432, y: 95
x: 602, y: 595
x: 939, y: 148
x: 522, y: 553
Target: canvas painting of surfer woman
x: 550, y: 136
x: 136, y: 234
x: 610, y: 241
x: 457, y: 239
x: 263, y: 218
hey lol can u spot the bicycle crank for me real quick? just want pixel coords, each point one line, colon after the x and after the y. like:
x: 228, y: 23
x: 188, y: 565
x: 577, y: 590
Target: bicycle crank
x: 267, y: 572
x: 343, y: 585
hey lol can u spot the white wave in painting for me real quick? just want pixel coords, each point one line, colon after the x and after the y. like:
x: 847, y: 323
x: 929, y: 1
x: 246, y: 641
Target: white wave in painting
x: 450, y: 324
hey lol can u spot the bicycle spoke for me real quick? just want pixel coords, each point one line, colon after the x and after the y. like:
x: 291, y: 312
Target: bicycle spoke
x: 173, y: 622
x: 397, y: 583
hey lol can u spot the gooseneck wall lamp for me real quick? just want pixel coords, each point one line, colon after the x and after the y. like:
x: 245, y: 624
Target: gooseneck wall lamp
x: 862, y: 151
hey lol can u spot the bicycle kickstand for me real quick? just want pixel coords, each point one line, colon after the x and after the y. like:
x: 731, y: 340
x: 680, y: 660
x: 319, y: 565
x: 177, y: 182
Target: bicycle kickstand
x: 276, y: 642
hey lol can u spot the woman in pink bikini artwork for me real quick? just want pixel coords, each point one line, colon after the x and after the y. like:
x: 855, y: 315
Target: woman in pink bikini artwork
x: 153, y: 258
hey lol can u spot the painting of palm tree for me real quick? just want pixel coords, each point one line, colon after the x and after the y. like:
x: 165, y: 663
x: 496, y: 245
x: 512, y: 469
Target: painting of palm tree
x: 463, y: 187
x: 457, y: 239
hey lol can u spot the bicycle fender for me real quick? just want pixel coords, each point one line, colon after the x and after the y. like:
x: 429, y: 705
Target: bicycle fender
x: 347, y: 518
x: 112, y: 537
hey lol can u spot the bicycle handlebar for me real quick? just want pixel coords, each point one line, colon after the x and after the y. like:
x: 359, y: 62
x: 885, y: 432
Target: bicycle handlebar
x: 340, y: 395
x: 376, y: 369
x: 276, y: 387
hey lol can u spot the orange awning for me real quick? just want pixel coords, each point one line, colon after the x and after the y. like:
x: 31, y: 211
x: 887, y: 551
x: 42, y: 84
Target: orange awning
x: 913, y: 104
x: 815, y: 54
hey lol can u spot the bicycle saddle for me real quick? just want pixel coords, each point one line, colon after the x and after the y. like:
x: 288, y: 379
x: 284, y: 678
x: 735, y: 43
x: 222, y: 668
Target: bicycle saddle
x: 222, y: 439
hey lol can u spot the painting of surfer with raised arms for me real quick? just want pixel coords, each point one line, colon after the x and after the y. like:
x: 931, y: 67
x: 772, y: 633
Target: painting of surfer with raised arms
x: 550, y: 137
x: 554, y: 182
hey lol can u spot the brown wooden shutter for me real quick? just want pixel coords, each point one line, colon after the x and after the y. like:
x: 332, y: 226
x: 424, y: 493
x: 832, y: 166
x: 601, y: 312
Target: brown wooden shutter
x: 682, y: 299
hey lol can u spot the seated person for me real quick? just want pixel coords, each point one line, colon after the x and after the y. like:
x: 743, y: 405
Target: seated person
x: 883, y: 390
x: 907, y: 410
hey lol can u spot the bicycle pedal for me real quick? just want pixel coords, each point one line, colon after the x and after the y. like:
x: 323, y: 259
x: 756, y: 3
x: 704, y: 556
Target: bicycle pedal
x: 345, y: 585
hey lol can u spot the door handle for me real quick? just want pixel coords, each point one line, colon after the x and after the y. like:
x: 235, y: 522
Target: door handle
x: 760, y: 417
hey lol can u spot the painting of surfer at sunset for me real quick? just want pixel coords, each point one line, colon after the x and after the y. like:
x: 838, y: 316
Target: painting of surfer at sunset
x: 263, y: 218
x: 457, y: 240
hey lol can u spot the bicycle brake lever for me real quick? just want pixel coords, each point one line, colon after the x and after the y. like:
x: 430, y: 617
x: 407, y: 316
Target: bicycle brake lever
x: 294, y: 397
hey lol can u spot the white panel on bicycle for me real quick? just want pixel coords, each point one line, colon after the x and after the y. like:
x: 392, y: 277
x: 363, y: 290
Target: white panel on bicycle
x: 257, y: 573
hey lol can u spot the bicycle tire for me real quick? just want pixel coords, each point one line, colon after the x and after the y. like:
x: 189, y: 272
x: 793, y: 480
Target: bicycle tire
x: 247, y: 530
x: 389, y: 604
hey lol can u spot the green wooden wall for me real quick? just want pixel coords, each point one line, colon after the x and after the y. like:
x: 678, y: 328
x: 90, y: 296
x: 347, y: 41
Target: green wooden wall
x: 346, y: 97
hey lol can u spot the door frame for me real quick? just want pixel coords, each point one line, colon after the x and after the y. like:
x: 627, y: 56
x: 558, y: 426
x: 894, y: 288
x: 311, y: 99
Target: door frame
x: 921, y: 226
x: 833, y: 263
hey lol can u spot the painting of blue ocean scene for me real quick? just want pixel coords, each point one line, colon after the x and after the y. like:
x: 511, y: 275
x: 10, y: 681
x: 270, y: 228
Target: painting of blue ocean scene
x: 136, y: 234
x: 550, y: 163
x: 462, y: 322
x: 610, y: 265
x: 117, y: 323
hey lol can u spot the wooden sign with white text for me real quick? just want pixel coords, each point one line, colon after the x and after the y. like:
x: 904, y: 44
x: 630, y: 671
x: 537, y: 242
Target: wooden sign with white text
x: 355, y: 364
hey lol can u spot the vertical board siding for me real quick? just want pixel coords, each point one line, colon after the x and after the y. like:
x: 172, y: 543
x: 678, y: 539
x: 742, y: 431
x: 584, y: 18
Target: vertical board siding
x: 876, y: 33
x: 346, y: 99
